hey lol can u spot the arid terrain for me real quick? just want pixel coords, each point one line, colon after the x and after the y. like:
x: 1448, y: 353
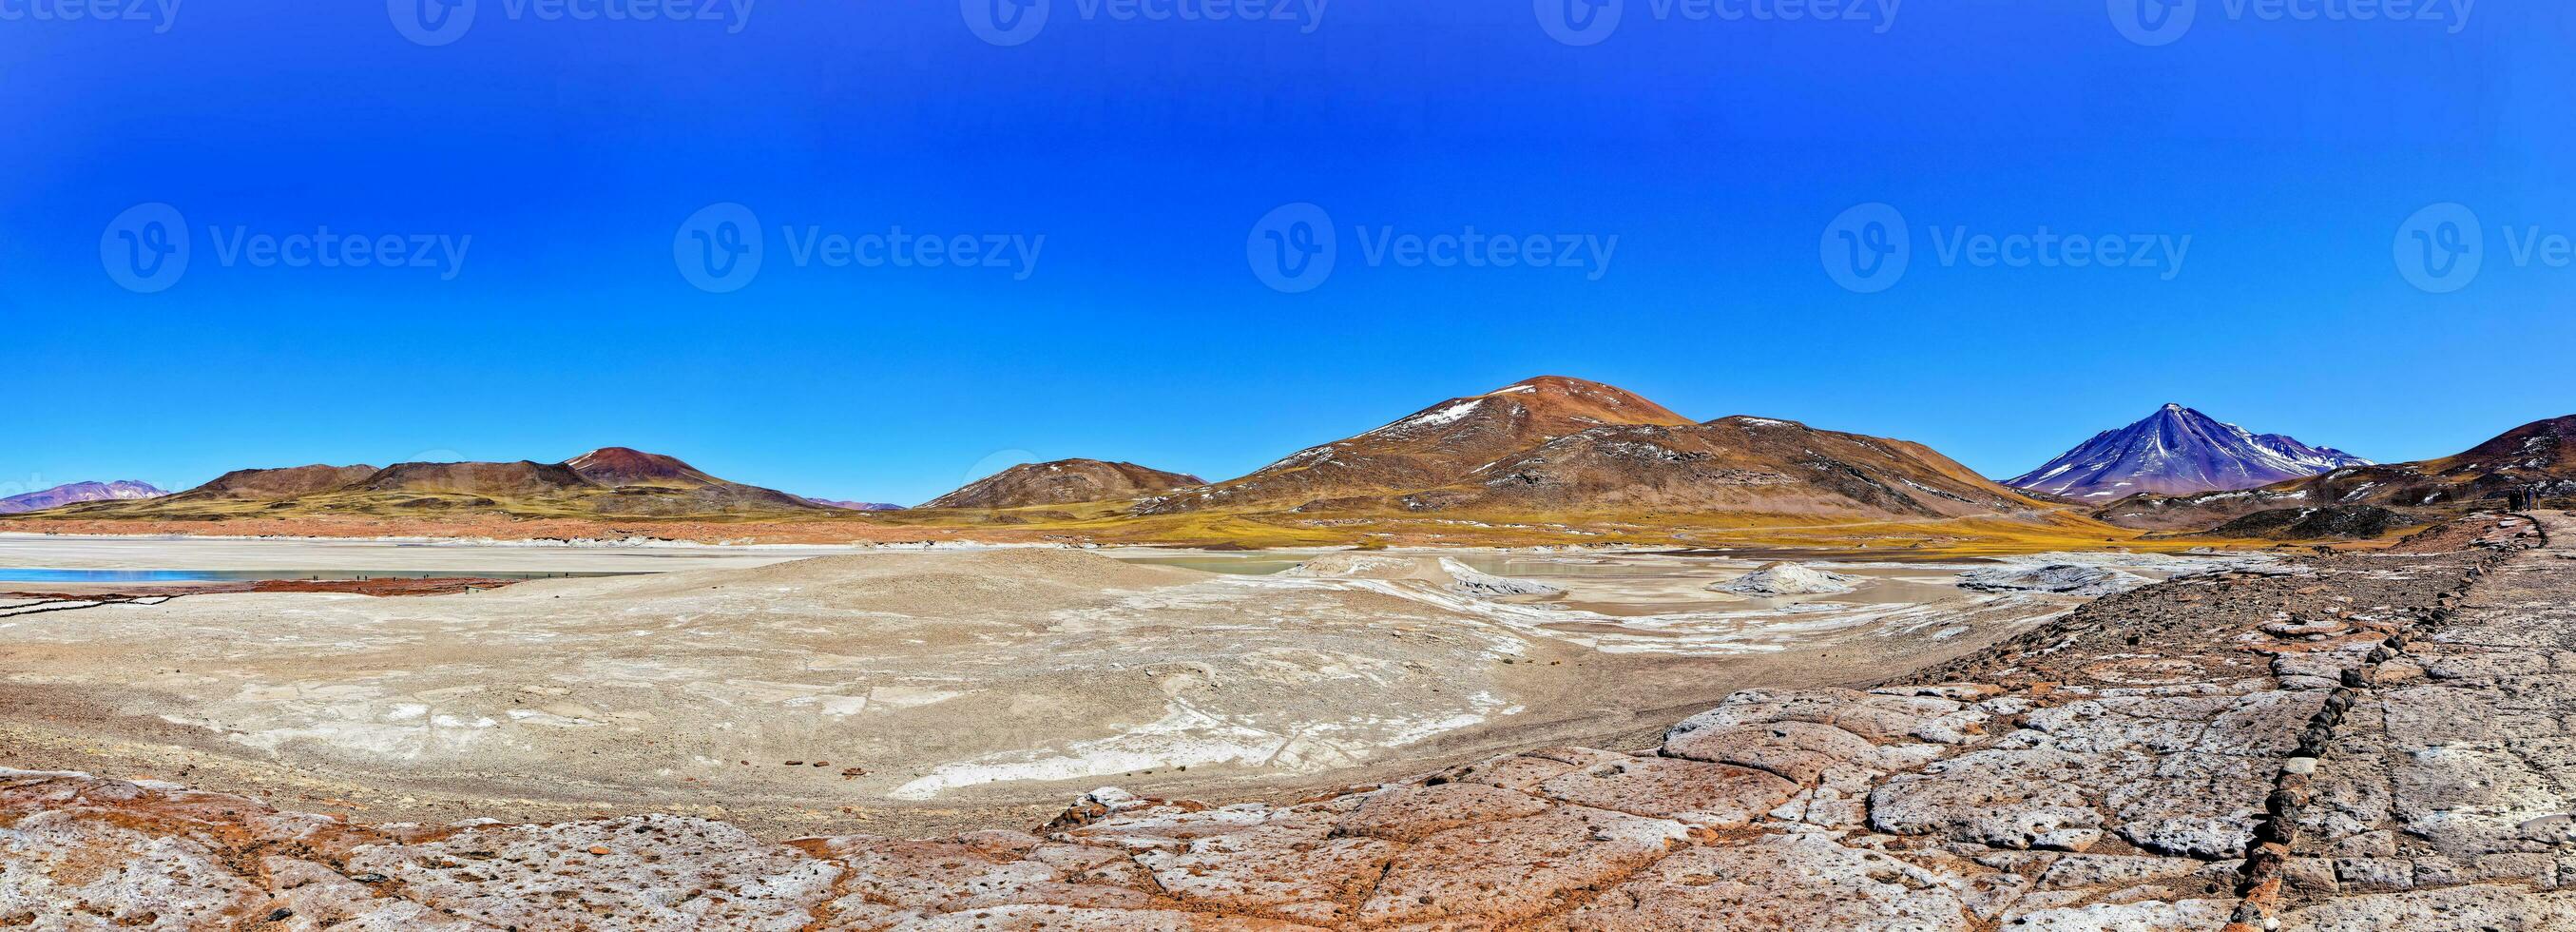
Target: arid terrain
x: 925, y: 689
x: 1548, y: 657
x: 2352, y: 742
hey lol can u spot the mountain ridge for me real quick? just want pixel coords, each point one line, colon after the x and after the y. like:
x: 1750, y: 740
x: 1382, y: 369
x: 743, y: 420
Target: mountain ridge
x: 2539, y: 456
x: 608, y: 482
x: 73, y: 493
x: 1063, y: 482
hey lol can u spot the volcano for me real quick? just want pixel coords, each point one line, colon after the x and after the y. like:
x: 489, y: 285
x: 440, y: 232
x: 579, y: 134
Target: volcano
x: 2179, y: 451
x: 1433, y: 447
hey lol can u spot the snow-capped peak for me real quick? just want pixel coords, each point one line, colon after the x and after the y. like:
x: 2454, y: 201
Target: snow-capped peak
x: 2180, y: 451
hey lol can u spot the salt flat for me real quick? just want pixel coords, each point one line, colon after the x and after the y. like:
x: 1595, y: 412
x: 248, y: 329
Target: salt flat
x: 797, y: 692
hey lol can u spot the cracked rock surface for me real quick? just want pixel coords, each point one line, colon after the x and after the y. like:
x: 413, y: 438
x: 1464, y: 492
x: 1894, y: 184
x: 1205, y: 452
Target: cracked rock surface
x: 2345, y: 743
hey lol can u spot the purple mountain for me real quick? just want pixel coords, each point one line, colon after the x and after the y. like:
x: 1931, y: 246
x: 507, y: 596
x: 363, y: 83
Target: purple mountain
x: 78, y: 492
x: 2179, y: 451
x: 853, y: 506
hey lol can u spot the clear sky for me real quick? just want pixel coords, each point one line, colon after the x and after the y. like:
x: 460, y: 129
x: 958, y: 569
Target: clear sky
x: 545, y: 170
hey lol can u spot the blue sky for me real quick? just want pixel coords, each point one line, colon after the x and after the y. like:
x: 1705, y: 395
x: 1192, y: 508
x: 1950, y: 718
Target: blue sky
x: 1110, y: 174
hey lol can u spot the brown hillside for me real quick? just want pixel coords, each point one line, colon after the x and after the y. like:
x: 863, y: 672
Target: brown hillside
x: 1433, y: 447
x: 1064, y: 482
x: 265, y: 485
x: 1743, y: 465
x: 628, y: 484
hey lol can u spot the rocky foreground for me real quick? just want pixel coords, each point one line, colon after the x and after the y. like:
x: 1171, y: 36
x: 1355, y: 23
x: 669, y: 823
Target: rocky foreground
x: 2355, y: 743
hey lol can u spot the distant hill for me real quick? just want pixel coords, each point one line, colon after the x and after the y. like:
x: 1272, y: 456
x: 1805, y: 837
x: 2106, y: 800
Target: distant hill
x: 2540, y: 455
x: 854, y: 506
x: 611, y: 482
x: 1063, y: 482
x: 78, y: 492
x: 2178, y: 451
x: 1433, y: 447
x: 1735, y: 465
x: 269, y: 485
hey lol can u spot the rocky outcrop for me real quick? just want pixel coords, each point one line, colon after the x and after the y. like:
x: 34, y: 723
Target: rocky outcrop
x: 2059, y: 578
x: 2374, y: 742
x: 1776, y: 579
x: 1443, y: 573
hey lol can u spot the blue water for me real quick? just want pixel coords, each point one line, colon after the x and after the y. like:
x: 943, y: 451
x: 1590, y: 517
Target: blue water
x: 8, y: 575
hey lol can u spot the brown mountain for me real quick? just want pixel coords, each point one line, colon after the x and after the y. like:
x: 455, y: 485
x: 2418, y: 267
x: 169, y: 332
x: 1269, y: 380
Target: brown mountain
x: 1430, y: 448
x: 2540, y: 455
x: 1064, y: 482
x: 613, y: 482
x: 620, y: 466
x: 268, y: 485
x: 522, y: 479
x: 1735, y: 465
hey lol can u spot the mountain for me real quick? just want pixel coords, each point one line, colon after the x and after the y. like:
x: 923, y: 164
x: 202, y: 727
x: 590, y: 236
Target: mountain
x: 2179, y: 451
x: 1064, y: 482
x: 1430, y: 448
x: 269, y: 485
x: 1735, y: 465
x: 522, y: 479
x: 77, y: 492
x: 617, y: 467
x: 610, y: 482
x: 2540, y: 455
x: 853, y: 506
